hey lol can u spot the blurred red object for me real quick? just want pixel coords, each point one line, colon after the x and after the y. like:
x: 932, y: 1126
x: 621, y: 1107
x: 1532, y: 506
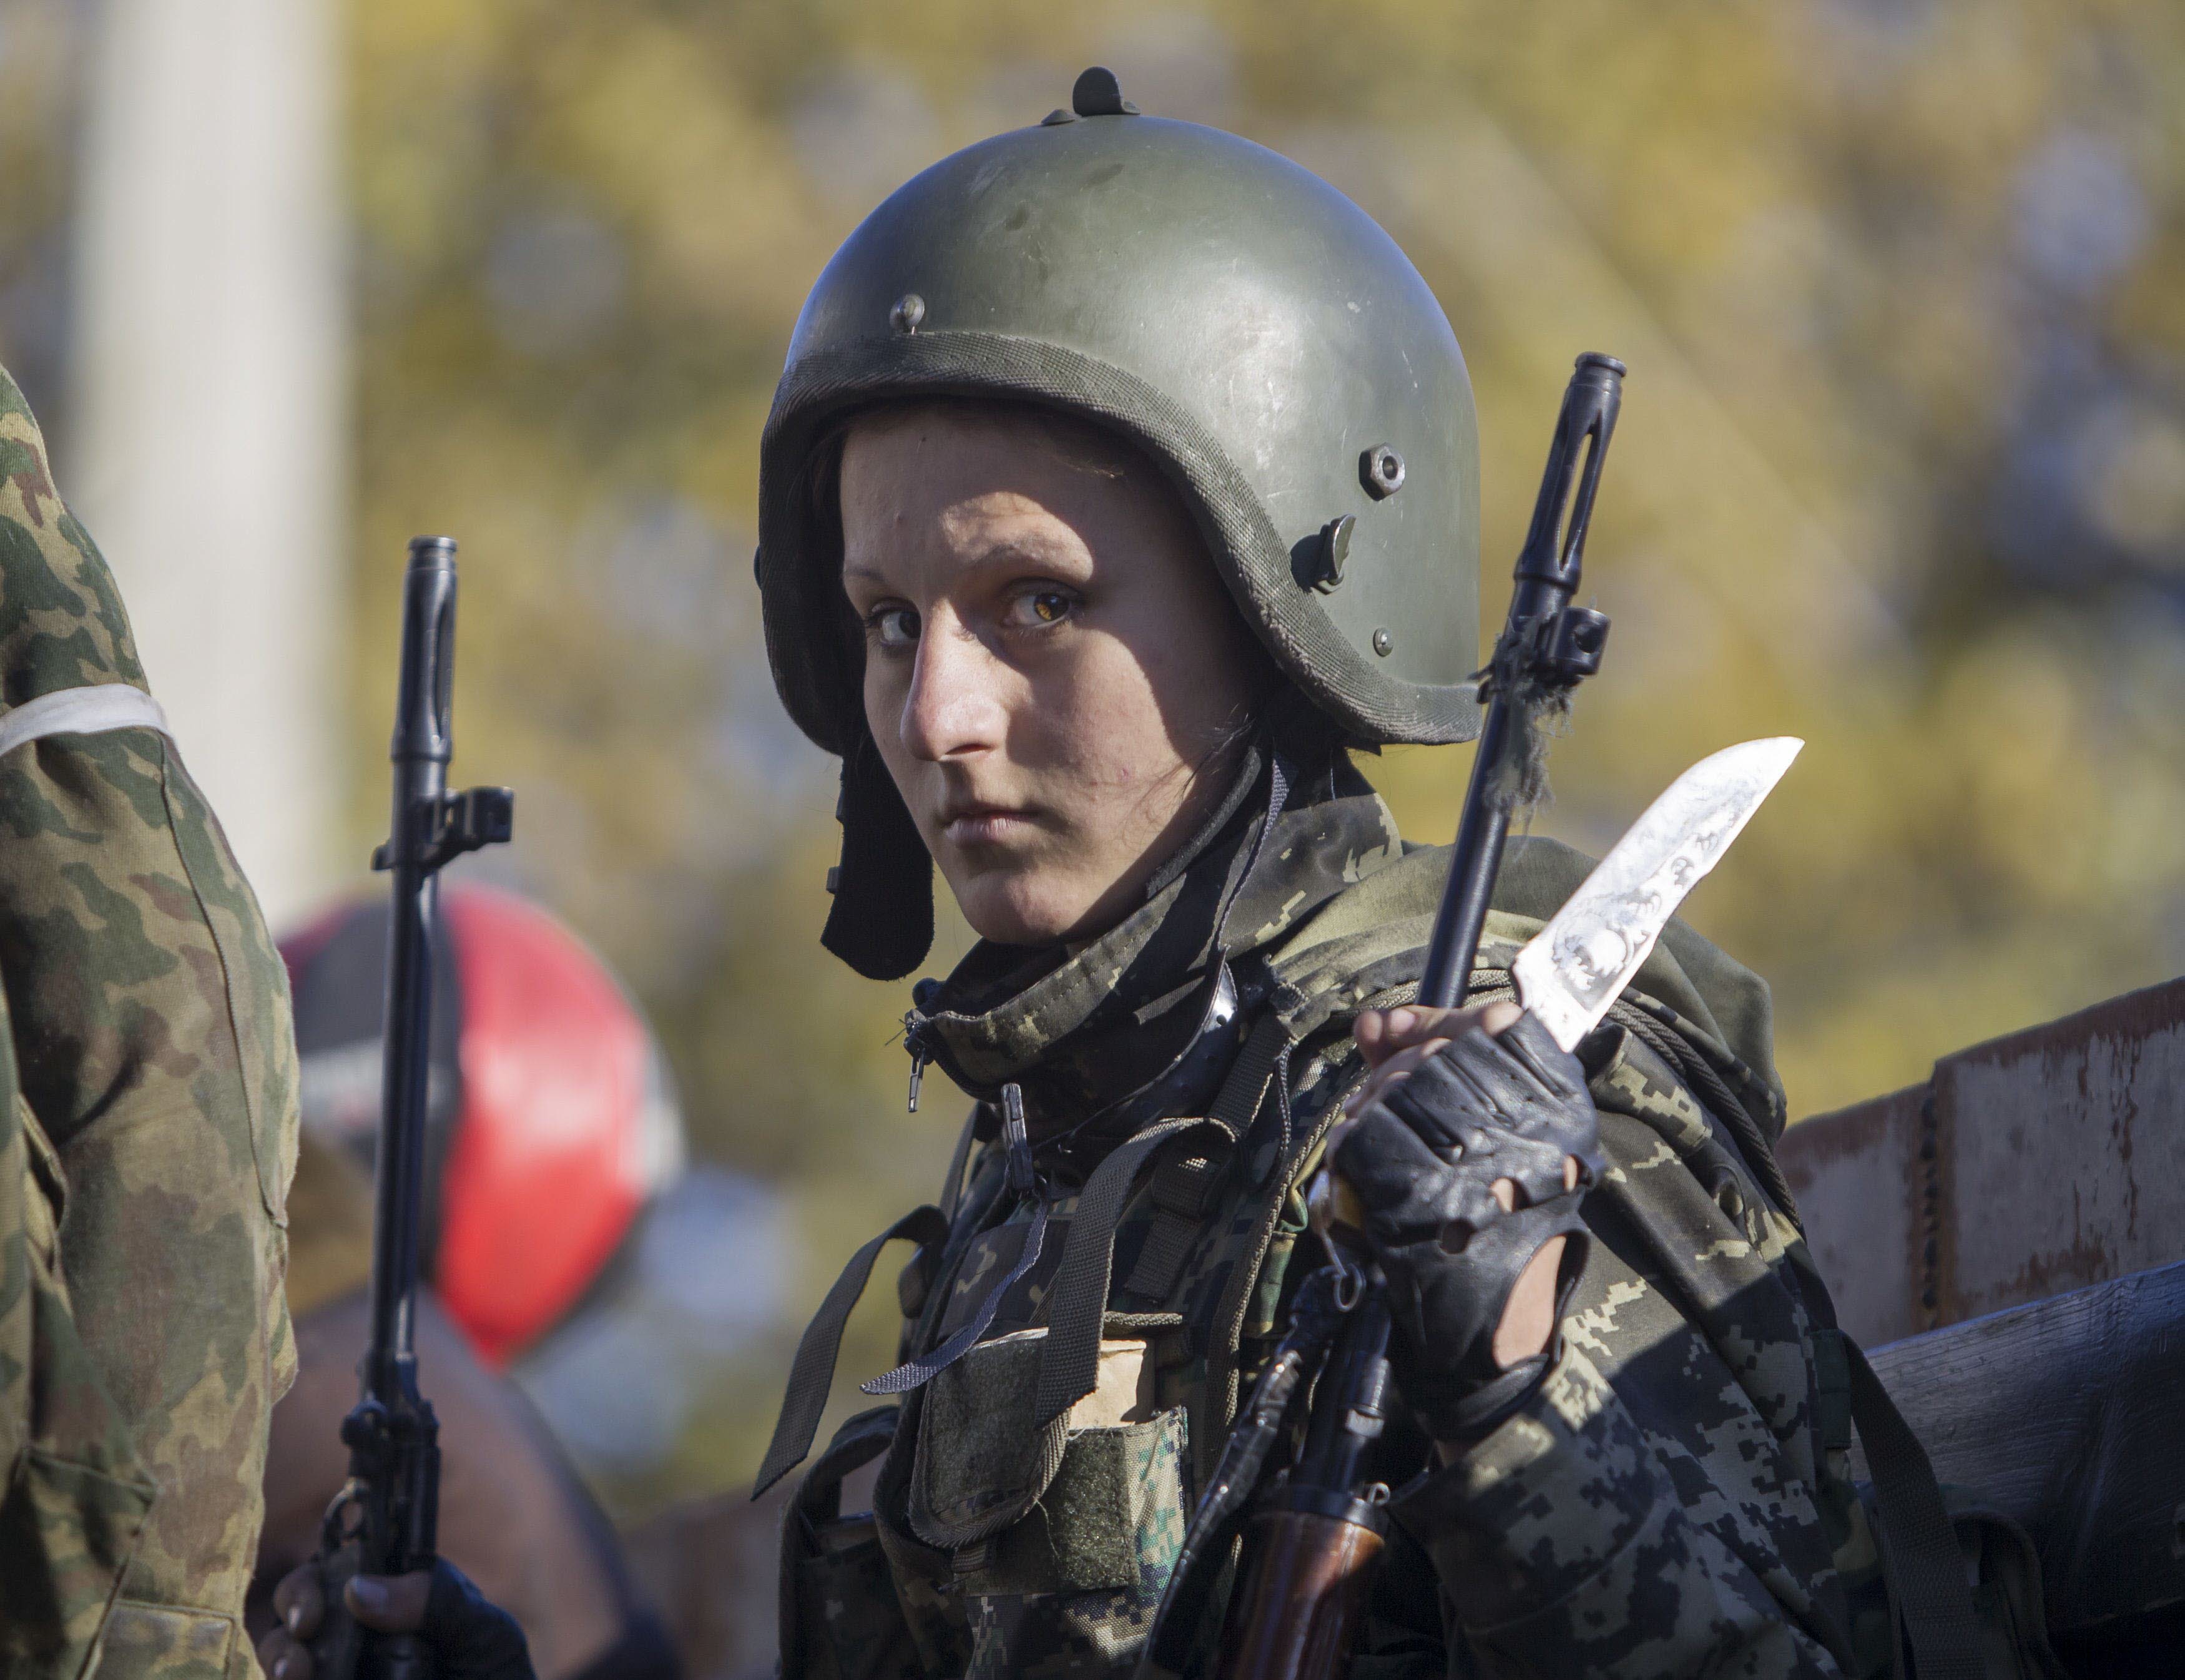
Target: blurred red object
x: 553, y: 1123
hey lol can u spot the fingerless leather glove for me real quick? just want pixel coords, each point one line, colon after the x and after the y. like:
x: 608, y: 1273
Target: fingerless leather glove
x: 1423, y: 1160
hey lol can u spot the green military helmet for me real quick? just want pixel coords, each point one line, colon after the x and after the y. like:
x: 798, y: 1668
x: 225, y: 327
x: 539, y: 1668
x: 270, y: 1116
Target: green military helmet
x: 1237, y: 318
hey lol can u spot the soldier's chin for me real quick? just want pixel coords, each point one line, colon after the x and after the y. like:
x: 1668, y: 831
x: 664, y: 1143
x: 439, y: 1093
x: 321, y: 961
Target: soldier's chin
x: 1018, y: 901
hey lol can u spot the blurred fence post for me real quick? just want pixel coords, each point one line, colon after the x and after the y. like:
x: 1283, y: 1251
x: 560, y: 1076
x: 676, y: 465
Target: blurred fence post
x: 208, y: 396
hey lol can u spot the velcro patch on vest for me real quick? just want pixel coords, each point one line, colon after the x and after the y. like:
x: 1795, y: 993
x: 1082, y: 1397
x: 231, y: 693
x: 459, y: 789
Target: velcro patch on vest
x: 982, y: 1462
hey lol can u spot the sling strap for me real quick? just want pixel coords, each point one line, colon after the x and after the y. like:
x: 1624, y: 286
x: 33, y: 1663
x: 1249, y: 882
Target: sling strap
x: 1070, y: 1362
x: 1184, y: 1181
x: 1919, y: 1547
x: 812, y: 1373
x: 1182, y: 1187
x: 1236, y: 1104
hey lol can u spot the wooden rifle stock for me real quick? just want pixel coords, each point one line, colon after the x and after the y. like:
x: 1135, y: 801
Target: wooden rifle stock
x: 1310, y: 1551
x: 1299, y: 1611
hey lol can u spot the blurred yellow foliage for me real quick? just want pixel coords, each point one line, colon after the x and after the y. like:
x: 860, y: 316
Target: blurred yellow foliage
x: 1898, y: 470
x: 1902, y: 467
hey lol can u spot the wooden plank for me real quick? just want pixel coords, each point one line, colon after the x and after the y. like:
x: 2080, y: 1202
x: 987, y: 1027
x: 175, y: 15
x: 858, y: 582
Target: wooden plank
x: 2069, y: 1416
x: 1859, y: 1183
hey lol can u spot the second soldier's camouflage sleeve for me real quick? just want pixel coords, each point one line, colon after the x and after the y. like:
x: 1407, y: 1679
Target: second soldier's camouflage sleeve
x: 149, y: 1020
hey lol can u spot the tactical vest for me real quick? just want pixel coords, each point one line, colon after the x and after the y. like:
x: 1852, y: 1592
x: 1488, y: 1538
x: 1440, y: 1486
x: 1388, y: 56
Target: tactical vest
x: 1037, y: 1487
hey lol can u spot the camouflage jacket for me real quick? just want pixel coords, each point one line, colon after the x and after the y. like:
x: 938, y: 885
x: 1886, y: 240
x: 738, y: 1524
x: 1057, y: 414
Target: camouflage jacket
x: 146, y: 1134
x: 1673, y: 1502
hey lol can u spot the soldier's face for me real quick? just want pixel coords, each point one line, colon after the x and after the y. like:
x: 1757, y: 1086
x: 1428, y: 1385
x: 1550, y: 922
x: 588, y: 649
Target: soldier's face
x: 1054, y: 674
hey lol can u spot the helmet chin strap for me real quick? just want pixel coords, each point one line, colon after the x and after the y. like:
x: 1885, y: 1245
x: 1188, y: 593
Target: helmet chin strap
x: 882, y: 923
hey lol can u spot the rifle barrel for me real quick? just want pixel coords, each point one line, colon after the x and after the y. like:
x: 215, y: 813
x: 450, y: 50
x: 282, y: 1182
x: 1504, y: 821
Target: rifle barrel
x: 422, y: 746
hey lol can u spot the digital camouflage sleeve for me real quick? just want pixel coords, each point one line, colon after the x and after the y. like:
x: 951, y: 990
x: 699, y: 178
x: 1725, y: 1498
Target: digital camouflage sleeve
x: 146, y: 1142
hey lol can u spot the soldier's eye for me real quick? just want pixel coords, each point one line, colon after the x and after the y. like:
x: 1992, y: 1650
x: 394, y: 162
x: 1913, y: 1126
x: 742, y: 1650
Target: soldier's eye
x: 1036, y: 608
x: 892, y: 627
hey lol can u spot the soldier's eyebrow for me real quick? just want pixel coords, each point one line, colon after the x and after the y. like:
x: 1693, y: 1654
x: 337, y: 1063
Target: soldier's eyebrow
x: 1058, y: 561
x: 871, y: 577
x: 1057, y: 557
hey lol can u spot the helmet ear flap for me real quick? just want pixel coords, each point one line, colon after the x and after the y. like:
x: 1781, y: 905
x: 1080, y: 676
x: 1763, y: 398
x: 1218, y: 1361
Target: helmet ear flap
x: 882, y: 921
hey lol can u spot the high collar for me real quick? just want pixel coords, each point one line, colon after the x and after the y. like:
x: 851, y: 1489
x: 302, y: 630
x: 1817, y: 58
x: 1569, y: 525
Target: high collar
x: 1140, y: 1023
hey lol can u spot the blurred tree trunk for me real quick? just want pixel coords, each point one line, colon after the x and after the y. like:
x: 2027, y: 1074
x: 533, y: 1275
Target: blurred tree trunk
x: 208, y: 399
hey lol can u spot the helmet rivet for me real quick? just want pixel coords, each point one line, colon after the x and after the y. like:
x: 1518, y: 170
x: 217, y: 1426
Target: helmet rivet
x: 908, y: 312
x: 1382, y: 470
x: 1384, y: 643
x: 1334, y: 550
x: 1098, y: 94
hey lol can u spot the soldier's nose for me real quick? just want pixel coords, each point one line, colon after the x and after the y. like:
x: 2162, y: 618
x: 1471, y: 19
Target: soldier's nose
x: 955, y: 707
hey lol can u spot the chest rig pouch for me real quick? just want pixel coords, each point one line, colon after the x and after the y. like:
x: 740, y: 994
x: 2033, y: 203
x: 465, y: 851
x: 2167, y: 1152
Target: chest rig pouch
x: 1042, y: 1480
x: 1092, y: 1501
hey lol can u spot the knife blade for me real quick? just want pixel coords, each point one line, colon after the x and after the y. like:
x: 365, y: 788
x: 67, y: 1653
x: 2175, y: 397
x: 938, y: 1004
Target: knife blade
x: 1570, y: 972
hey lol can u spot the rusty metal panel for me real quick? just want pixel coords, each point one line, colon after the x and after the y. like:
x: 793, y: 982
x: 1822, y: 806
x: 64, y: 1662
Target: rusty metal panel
x: 1862, y: 1191
x: 2061, y: 1154
x: 2028, y: 1166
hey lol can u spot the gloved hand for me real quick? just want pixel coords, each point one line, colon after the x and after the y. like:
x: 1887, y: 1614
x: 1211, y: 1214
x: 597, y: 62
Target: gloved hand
x: 470, y: 1639
x: 1466, y: 1155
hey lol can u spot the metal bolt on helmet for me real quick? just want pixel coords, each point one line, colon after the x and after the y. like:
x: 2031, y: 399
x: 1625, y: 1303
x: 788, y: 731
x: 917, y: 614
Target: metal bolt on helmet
x: 1243, y: 324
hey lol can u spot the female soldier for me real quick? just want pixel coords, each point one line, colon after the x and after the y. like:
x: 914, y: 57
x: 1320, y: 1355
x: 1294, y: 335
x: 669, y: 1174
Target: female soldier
x: 1122, y: 480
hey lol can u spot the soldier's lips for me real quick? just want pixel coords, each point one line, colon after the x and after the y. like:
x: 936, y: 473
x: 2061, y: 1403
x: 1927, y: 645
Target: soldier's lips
x: 969, y: 827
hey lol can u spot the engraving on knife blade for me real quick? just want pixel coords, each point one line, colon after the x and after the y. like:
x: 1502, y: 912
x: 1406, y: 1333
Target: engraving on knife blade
x: 1570, y: 973
x: 1594, y: 959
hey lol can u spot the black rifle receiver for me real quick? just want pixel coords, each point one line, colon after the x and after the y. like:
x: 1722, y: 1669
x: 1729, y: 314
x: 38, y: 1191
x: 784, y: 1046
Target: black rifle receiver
x: 1547, y: 647
x: 384, y: 1520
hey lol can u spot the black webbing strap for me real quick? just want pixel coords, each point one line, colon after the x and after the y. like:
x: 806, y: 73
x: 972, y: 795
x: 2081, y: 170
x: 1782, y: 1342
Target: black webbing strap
x: 918, y: 1372
x: 1919, y: 1547
x: 1182, y: 1187
x: 1184, y: 1183
x: 1238, y: 1102
x: 1070, y: 1364
x: 812, y: 1373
